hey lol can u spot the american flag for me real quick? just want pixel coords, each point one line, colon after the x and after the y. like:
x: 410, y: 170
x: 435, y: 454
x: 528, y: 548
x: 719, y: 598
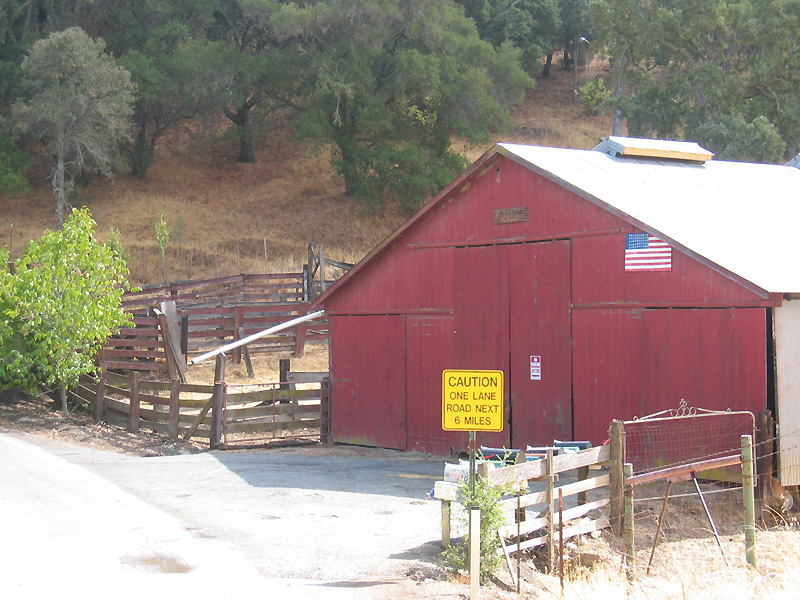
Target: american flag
x: 644, y: 252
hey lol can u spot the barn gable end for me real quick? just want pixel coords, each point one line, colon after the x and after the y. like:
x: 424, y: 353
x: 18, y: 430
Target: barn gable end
x: 509, y: 264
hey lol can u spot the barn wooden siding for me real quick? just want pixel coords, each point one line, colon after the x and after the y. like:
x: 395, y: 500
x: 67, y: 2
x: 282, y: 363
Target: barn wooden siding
x: 507, y: 264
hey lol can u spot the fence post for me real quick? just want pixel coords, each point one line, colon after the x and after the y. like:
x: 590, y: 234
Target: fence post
x: 325, y: 412
x: 630, y: 550
x: 617, y: 436
x: 185, y: 333
x: 238, y: 320
x: 551, y: 510
x: 322, y: 273
x: 219, y: 401
x: 174, y: 407
x: 765, y: 448
x: 133, y: 424
x: 100, y: 394
x: 749, y: 501
x: 300, y: 331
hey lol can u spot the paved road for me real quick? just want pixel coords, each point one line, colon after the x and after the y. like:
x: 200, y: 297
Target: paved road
x: 295, y: 523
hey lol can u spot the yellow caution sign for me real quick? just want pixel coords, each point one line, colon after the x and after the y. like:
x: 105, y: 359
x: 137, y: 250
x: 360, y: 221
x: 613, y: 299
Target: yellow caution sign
x: 472, y: 400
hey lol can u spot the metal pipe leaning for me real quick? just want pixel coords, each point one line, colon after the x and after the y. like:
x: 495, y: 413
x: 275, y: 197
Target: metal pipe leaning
x: 250, y: 338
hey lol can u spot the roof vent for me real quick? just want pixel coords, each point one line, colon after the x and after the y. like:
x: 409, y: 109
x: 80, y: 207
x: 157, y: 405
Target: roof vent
x: 626, y: 147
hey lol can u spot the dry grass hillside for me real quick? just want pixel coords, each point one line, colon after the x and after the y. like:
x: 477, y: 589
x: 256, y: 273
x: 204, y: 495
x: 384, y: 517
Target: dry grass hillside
x: 224, y: 217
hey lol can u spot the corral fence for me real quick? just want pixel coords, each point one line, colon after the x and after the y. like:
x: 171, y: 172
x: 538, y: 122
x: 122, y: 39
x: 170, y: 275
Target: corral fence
x: 173, y: 322
x: 228, y: 416
x: 566, y: 495
x: 320, y: 273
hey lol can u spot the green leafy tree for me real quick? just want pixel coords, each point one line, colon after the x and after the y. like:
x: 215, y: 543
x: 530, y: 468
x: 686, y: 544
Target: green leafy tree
x: 774, y: 82
x: 531, y: 25
x: 391, y: 83
x: 735, y: 138
x: 79, y: 103
x: 164, y: 45
x: 259, y: 75
x: 724, y: 73
x: 14, y: 164
x: 59, y: 307
x: 162, y: 240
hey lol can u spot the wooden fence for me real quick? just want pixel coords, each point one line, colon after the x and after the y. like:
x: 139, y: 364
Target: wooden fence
x: 320, y: 273
x: 225, y: 415
x: 173, y: 322
x: 562, y: 511
x: 270, y: 288
x: 554, y: 523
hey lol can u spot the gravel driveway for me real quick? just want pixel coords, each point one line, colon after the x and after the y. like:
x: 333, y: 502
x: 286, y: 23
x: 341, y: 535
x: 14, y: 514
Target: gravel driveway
x: 311, y: 522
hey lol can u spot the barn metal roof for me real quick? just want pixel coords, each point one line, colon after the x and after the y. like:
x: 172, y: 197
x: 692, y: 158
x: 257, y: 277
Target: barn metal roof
x: 741, y: 217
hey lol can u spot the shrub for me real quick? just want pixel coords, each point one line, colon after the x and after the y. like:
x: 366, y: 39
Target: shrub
x: 594, y: 96
x: 486, y: 498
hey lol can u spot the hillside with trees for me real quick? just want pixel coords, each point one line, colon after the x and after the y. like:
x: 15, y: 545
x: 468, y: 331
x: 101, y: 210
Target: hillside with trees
x: 249, y: 128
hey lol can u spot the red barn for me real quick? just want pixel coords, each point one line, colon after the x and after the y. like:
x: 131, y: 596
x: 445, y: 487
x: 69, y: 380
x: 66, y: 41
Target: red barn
x: 605, y: 284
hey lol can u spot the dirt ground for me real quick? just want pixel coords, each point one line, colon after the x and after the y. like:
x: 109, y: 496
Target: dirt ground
x: 687, y: 562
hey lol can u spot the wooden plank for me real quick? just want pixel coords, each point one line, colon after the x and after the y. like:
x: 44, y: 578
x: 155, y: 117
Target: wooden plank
x: 171, y: 328
x: 134, y: 343
x: 567, y: 490
x: 307, y: 376
x: 199, y: 419
x: 569, y: 532
x: 585, y: 485
x: 112, y: 352
x: 617, y: 433
x: 310, y: 410
x: 133, y: 423
x: 137, y: 366
x: 218, y: 405
x: 174, y: 407
x: 271, y: 395
x: 677, y: 471
x: 246, y: 354
x: 584, y: 458
x: 571, y: 514
x: 300, y: 331
x: 100, y: 394
x: 260, y: 427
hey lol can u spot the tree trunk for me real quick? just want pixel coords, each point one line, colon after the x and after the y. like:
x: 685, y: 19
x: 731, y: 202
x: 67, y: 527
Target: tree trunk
x: 63, y: 393
x: 143, y: 149
x: 344, y: 137
x: 547, y: 65
x: 617, y: 127
x: 59, y: 186
x: 139, y: 156
x: 241, y: 118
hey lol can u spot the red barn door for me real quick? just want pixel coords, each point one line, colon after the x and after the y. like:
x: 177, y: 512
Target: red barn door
x: 368, y: 405
x: 540, y: 373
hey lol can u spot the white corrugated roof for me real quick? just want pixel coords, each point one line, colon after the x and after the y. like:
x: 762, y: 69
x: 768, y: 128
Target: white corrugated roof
x: 743, y: 217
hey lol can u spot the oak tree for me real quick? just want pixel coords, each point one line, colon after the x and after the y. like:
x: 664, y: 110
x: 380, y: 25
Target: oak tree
x: 78, y: 102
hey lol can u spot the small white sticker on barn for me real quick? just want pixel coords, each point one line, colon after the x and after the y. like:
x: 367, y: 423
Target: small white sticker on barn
x: 536, y: 368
